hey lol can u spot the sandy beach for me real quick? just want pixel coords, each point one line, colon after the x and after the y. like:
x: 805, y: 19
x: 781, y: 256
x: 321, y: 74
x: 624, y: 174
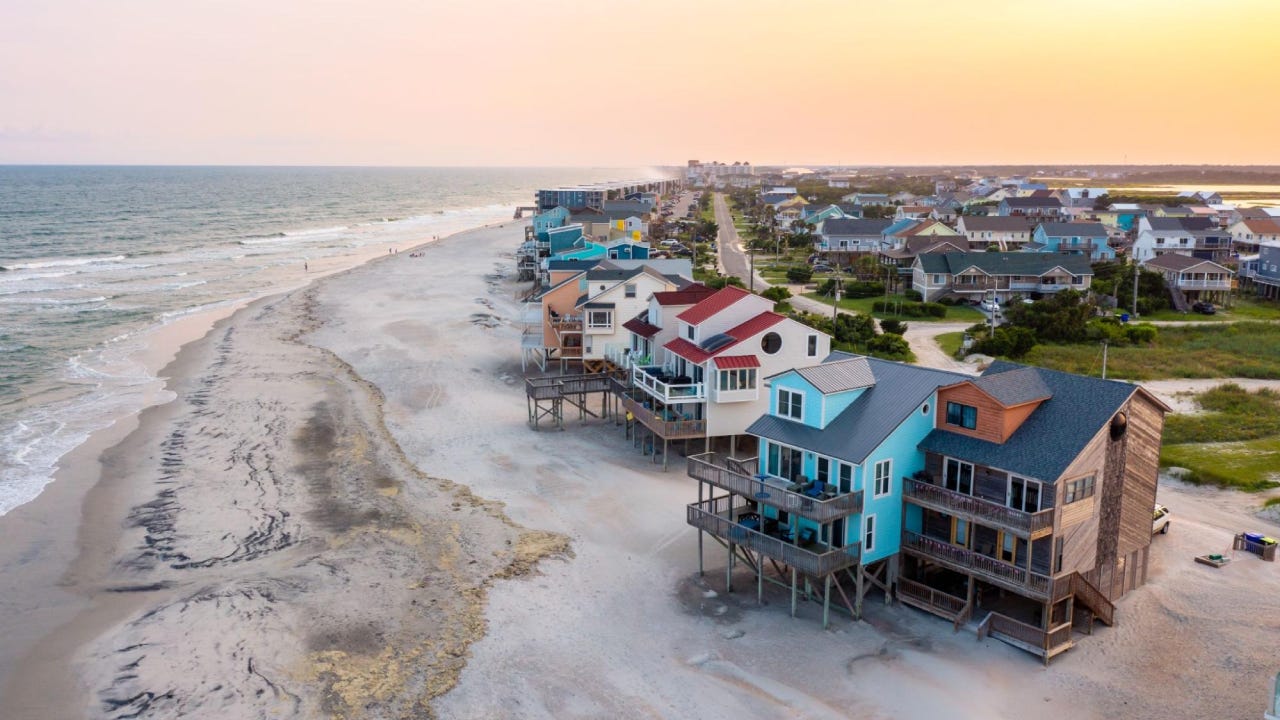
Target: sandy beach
x: 342, y: 511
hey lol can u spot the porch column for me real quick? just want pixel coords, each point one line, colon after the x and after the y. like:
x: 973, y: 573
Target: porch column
x: 826, y: 602
x: 700, y: 568
x: 793, y: 591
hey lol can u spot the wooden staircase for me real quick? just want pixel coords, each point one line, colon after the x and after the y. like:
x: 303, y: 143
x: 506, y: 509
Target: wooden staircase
x: 1179, y: 300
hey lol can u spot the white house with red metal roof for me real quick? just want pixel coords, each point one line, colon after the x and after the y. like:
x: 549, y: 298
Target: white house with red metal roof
x: 708, y: 382
x: 656, y: 326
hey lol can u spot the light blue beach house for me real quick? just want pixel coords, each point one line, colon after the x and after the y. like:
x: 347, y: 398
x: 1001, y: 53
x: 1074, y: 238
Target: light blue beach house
x: 1017, y: 503
x: 1073, y: 239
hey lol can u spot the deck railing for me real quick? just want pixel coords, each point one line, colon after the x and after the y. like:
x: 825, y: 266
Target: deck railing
x: 643, y: 377
x: 1015, y: 578
x: 936, y: 497
x: 938, y: 602
x: 718, y: 517
x: 658, y: 423
x: 1048, y: 642
x: 1203, y: 284
x: 819, y: 510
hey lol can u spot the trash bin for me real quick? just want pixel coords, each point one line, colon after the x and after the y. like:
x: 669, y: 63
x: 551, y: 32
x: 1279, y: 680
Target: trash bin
x: 1124, y: 317
x: 1254, y: 537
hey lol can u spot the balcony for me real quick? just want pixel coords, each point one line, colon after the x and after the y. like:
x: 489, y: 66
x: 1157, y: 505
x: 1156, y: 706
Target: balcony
x: 1203, y: 284
x: 654, y: 381
x: 1023, y: 524
x: 719, y: 516
x: 996, y: 572
x: 665, y: 424
x: 566, y: 323
x: 821, y: 510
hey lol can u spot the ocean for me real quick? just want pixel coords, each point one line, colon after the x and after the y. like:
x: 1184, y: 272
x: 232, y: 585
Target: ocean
x: 93, y: 260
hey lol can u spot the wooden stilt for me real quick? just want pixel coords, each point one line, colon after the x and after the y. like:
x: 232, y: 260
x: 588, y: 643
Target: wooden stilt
x: 728, y: 572
x: 890, y: 578
x: 759, y: 578
x: 826, y: 602
x: 700, y: 568
x: 665, y: 447
x: 859, y: 592
x: 793, y: 592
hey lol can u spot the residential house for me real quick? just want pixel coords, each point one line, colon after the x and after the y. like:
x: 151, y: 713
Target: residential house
x: 1207, y: 197
x: 1007, y: 232
x: 1192, y: 236
x: 902, y: 256
x: 867, y: 199
x: 1002, y: 275
x: 1080, y: 196
x: 1195, y: 278
x: 656, y: 326
x: 844, y: 240
x: 1248, y: 235
x: 1020, y: 499
x: 912, y: 212
x: 902, y: 197
x: 708, y: 384
x: 1265, y: 275
x: 1040, y: 208
x: 815, y: 215
x: 775, y: 195
x: 1088, y: 239
x: 839, y: 181
x: 790, y: 209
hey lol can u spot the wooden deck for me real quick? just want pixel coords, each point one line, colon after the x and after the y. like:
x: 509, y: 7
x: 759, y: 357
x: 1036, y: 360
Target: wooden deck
x: 1023, y: 524
x: 820, y: 510
x: 719, y: 518
x: 1011, y: 577
x: 665, y: 429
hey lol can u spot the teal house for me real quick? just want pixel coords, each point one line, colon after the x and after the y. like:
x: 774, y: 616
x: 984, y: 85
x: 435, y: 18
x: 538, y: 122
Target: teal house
x: 546, y: 221
x: 1072, y: 239
x: 1017, y: 503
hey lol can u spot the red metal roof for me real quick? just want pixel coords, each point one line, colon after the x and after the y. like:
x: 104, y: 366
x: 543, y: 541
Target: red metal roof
x: 754, y: 326
x: 713, y: 304
x: 736, y: 362
x: 641, y: 328
x: 689, y: 296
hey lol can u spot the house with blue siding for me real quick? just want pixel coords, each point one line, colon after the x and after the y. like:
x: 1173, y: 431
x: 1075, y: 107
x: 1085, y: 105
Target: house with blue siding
x: 1020, y: 499
x: 1075, y: 238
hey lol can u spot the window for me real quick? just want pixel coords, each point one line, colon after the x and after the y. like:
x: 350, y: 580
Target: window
x: 966, y: 416
x: 771, y: 343
x: 1008, y: 547
x: 600, y: 319
x: 884, y: 475
x: 869, y: 534
x: 1024, y: 494
x: 924, y: 409
x: 958, y: 476
x: 1078, y: 490
x: 784, y: 462
x: 629, y: 290
x: 691, y: 332
x: 959, y: 532
x: 824, y: 470
x: 790, y: 404
x: 744, y: 379
x: 1057, y: 555
x: 813, y: 346
x: 937, y: 279
x: 846, y: 478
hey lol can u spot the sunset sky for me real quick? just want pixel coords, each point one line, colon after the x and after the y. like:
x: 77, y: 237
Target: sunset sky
x: 565, y: 82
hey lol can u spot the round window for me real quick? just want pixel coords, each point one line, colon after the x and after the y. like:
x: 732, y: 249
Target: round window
x: 925, y: 410
x: 771, y: 343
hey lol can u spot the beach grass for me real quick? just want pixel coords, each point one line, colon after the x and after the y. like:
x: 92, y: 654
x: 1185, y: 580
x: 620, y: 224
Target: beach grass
x: 1272, y: 502
x: 1234, y: 443
x: 1215, y: 350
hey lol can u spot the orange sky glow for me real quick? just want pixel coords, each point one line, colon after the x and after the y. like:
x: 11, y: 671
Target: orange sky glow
x: 488, y: 82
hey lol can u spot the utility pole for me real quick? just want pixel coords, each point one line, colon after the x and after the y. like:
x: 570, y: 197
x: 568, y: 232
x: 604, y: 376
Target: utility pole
x: 1104, y: 359
x: 835, y: 301
x: 751, y: 250
x: 1135, y: 289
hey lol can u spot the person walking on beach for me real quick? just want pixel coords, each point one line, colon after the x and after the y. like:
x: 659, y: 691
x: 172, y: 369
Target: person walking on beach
x: 304, y: 267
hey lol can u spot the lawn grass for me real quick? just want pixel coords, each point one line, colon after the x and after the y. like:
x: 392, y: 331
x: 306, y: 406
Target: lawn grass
x: 950, y: 342
x: 1240, y: 309
x: 1234, y: 443
x: 957, y: 313
x: 1248, y: 349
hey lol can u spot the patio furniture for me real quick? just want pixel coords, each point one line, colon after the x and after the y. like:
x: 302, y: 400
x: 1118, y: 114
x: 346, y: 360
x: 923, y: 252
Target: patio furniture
x: 749, y: 520
x: 807, y: 537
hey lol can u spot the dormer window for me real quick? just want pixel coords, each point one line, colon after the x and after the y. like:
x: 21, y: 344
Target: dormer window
x: 790, y: 404
x: 965, y: 416
x: 691, y: 332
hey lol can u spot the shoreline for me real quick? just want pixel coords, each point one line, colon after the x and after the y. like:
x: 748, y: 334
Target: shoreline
x: 55, y: 568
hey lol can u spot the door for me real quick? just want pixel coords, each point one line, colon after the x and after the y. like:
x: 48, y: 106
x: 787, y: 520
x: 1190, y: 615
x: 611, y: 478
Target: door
x: 959, y: 532
x: 837, y: 533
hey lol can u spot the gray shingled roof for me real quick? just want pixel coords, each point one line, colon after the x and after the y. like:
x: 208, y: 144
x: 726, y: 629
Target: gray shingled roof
x: 1074, y: 229
x: 1181, y: 224
x: 854, y: 226
x: 898, y: 391
x: 997, y: 223
x: 839, y: 376
x: 1049, y: 440
x: 1005, y: 263
x: 1014, y: 387
x: 1032, y: 202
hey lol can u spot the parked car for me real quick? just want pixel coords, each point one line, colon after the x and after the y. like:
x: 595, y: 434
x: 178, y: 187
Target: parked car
x: 1204, y: 308
x: 990, y: 305
x: 1160, y: 520
x: 821, y: 268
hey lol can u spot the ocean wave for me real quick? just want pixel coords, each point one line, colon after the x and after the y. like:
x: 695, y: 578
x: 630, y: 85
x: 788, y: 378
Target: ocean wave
x: 10, y: 300
x: 64, y: 262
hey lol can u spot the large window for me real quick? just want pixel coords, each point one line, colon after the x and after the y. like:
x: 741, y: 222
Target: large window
x: 884, y: 478
x: 790, y: 404
x: 823, y: 470
x: 846, y: 478
x: 958, y: 476
x: 1078, y: 490
x: 813, y: 346
x: 966, y: 416
x: 869, y: 534
x: 600, y: 319
x: 784, y: 462
x: 1024, y: 494
x: 737, y: 380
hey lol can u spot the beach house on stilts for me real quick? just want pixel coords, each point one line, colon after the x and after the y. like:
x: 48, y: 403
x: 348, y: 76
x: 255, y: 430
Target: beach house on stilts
x: 1017, y: 504
x: 705, y: 382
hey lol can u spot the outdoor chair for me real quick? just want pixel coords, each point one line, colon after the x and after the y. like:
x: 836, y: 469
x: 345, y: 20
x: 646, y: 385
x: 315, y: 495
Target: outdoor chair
x: 807, y: 537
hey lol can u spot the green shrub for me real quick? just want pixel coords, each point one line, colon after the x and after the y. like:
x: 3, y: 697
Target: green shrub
x: 914, y: 295
x: 1011, y: 342
x: 777, y: 293
x: 799, y: 274
x: 856, y: 290
x: 1142, y: 333
x: 888, y: 345
x: 893, y: 327
x: 910, y: 309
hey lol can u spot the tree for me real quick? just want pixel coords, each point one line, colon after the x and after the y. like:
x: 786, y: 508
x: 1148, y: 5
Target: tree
x: 893, y: 327
x: 1062, y: 317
